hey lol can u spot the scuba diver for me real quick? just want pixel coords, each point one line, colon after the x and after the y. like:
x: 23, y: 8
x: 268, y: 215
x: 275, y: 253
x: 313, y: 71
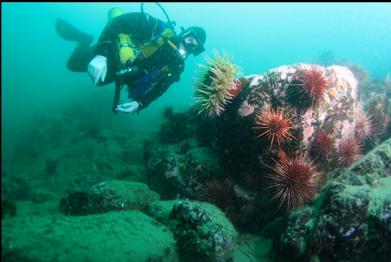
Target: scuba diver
x: 134, y: 50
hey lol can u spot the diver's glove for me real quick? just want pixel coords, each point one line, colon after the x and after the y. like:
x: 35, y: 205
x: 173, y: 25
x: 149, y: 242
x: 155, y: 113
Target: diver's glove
x: 97, y: 68
x: 129, y: 107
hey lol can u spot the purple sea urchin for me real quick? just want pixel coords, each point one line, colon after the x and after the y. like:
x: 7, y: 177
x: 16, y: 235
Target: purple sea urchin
x: 363, y: 129
x: 348, y: 151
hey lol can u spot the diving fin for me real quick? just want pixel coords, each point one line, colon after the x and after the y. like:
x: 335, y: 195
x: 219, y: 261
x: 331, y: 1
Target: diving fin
x: 71, y: 33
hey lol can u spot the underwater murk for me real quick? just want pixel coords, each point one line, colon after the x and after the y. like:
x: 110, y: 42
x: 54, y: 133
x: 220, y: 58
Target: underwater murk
x: 273, y: 146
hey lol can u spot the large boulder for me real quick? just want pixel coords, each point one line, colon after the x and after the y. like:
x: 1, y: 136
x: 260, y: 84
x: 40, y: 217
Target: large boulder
x: 330, y: 110
x: 161, y: 210
x: 199, y: 237
x: 202, y: 231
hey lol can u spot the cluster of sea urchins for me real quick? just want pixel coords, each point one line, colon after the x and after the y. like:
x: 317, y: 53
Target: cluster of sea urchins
x: 294, y: 179
x: 213, y: 89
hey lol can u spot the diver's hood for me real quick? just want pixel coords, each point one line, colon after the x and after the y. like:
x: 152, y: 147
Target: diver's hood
x: 193, y: 40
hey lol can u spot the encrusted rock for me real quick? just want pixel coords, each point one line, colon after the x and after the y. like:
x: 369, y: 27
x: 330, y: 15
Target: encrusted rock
x: 107, y: 196
x: 178, y: 170
x: 351, y: 220
x: 198, y: 237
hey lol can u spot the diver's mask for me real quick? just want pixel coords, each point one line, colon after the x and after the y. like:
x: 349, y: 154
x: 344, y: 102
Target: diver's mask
x: 191, y: 42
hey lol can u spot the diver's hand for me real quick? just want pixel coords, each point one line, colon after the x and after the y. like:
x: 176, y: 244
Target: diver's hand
x: 97, y: 68
x: 129, y: 107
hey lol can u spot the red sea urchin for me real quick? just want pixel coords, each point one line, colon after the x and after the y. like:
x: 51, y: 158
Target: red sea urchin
x: 322, y: 145
x: 294, y: 182
x: 275, y: 126
x: 313, y: 84
x: 348, y: 152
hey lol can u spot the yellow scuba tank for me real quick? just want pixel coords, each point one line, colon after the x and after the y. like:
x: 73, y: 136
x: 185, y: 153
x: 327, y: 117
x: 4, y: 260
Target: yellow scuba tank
x: 125, y: 50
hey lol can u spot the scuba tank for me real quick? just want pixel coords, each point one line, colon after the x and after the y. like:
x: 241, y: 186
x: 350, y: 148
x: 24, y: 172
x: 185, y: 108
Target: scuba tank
x: 126, y: 50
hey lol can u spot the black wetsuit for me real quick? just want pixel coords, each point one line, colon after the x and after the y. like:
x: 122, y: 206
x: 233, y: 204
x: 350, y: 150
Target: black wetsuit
x: 156, y: 72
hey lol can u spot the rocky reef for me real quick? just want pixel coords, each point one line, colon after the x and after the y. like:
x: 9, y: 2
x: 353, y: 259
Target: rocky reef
x: 296, y: 155
x: 278, y: 133
x: 351, y: 220
x: 72, y: 190
x: 281, y: 152
x: 121, y: 217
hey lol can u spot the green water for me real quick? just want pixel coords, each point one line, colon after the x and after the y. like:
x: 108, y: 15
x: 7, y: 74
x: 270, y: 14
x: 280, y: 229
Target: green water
x: 36, y: 85
x: 260, y: 36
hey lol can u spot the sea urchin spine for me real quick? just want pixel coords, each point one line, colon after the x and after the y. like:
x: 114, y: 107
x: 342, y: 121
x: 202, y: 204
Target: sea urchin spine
x: 363, y: 129
x: 274, y: 126
x: 313, y: 85
x: 322, y: 145
x: 348, y: 152
x: 219, y: 192
x: 294, y: 182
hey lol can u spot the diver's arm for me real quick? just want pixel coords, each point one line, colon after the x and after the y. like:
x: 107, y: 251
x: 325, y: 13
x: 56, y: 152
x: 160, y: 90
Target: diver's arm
x: 156, y: 92
x: 176, y: 69
x: 152, y: 95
